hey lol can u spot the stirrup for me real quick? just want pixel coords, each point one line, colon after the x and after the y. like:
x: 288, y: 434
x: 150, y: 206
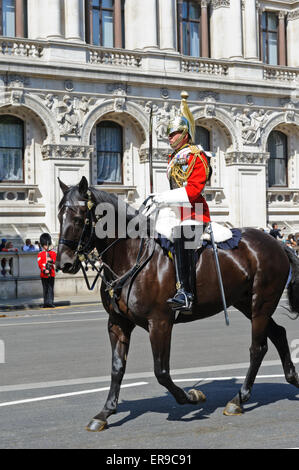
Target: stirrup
x: 182, y: 301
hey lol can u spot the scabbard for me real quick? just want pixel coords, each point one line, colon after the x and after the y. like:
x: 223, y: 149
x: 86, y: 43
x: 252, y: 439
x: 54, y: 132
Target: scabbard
x: 219, y: 274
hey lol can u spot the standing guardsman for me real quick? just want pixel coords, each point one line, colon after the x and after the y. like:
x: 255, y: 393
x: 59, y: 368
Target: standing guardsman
x: 46, y: 261
x: 188, y: 171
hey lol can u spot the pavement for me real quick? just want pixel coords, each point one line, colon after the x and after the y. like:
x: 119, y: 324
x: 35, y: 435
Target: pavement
x: 29, y: 303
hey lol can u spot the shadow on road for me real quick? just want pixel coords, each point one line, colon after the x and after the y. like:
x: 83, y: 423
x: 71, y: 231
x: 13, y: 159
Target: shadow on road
x: 218, y: 394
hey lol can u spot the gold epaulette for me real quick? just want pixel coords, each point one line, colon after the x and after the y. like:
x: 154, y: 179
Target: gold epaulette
x: 197, y: 152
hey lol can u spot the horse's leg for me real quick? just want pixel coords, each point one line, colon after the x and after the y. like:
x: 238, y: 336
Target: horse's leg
x: 120, y: 334
x: 258, y: 350
x: 277, y: 335
x: 160, y: 337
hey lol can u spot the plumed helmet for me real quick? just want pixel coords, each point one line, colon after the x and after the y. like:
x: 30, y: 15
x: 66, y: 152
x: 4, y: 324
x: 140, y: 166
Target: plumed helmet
x: 45, y: 239
x: 184, y: 122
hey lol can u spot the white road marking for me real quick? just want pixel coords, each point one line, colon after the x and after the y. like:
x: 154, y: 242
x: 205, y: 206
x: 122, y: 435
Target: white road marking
x: 66, y: 395
x: 51, y: 322
x: 130, y: 376
x: 210, y: 379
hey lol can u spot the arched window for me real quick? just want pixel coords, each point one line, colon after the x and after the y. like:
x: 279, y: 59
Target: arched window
x: 109, y: 153
x: 202, y: 137
x: 11, y: 149
x: 278, y: 149
x: 13, y: 15
x: 105, y: 23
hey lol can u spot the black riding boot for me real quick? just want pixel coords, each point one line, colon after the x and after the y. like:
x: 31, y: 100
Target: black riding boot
x: 184, y: 263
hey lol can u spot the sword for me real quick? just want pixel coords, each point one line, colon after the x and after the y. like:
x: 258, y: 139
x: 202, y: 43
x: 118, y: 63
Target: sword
x: 215, y: 249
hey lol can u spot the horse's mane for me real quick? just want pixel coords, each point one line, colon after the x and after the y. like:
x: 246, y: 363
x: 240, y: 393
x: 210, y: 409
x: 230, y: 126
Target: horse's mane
x: 72, y: 196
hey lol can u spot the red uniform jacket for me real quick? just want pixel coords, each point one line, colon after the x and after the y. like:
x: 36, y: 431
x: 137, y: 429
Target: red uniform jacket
x: 42, y: 261
x: 194, y: 187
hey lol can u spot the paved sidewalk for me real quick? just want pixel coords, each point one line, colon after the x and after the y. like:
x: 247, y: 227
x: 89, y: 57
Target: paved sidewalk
x: 28, y: 303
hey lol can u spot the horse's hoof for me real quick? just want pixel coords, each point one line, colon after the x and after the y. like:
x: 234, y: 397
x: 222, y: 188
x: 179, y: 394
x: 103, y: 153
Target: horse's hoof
x: 232, y: 409
x: 196, y: 396
x: 96, y: 425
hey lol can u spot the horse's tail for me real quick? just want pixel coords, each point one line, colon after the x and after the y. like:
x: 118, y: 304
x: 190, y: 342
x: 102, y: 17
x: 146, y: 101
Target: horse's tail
x: 293, y: 285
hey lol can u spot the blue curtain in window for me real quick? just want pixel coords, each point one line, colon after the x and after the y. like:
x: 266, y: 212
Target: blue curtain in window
x: 11, y: 149
x: 109, y: 153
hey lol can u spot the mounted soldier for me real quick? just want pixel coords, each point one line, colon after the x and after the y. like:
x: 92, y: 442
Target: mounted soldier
x: 184, y: 212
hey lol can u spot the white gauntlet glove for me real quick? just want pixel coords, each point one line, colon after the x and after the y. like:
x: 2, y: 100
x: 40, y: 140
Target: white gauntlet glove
x: 173, y: 197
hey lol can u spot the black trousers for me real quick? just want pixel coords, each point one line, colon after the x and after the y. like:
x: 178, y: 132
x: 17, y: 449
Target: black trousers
x: 48, y: 290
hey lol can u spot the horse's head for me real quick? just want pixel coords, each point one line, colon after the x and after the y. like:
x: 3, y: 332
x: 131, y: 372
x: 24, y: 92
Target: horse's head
x: 73, y: 209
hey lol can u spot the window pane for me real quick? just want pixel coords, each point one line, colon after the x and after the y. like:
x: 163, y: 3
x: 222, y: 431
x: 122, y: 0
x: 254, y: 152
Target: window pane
x: 108, y: 39
x: 11, y: 133
x: 96, y: 3
x: 185, y: 10
x: 272, y: 45
x: 96, y: 27
x: 8, y: 18
x: 264, y: 21
x: 109, y: 146
x: 272, y: 21
x: 194, y: 40
x: 202, y: 137
x: 277, y: 147
x: 11, y: 165
x: 107, y: 3
x: 185, y: 38
x: 109, y: 168
x: 264, y: 39
x: 194, y: 11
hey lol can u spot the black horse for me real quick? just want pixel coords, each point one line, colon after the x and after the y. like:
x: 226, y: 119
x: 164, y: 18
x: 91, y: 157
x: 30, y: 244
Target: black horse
x: 137, y: 280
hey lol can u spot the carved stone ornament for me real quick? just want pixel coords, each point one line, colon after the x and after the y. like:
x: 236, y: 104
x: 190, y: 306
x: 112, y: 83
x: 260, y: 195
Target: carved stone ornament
x: 69, y: 112
x: 220, y: 3
x: 66, y: 152
x: 17, y: 97
x: 251, y: 123
x: 158, y: 155
x: 246, y: 158
x: 16, y: 81
x: 293, y: 15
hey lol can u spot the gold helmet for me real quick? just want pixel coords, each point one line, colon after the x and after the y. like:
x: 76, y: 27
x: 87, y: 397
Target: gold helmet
x: 185, y: 122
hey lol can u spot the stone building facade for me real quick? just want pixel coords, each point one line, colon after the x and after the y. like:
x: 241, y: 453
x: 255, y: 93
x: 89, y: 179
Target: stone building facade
x: 78, y: 80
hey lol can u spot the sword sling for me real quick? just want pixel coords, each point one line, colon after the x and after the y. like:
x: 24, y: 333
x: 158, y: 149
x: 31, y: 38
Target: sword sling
x: 219, y: 274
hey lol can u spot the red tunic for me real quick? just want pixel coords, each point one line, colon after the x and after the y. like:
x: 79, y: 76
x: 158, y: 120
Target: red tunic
x: 194, y: 187
x: 42, y: 260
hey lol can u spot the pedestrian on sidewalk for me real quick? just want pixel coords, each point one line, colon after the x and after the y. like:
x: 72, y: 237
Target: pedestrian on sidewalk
x: 46, y: 261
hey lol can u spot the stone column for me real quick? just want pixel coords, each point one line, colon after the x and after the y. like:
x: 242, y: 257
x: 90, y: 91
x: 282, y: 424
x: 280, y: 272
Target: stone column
x: 51, y: 18
x: 281, y: 39
x: 167, y: 24
x: 293, y: 38
x: 141, y: 25
x: 226, y: 29
x: 74, y: 20
x: 204, y: 29
x: 234, y: 30
x: 250, y: 30
x: 33, y: 19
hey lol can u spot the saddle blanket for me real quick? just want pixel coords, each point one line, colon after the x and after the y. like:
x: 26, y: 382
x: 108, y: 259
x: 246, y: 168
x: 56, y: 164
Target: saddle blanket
x: 229, y: 243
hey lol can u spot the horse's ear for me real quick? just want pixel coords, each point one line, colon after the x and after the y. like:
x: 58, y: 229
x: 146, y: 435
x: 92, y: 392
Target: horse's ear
x: 83, y: 186
x: 63, y: 186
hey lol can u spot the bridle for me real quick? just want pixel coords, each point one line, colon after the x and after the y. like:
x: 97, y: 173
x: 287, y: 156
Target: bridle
x: 82, y: 249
